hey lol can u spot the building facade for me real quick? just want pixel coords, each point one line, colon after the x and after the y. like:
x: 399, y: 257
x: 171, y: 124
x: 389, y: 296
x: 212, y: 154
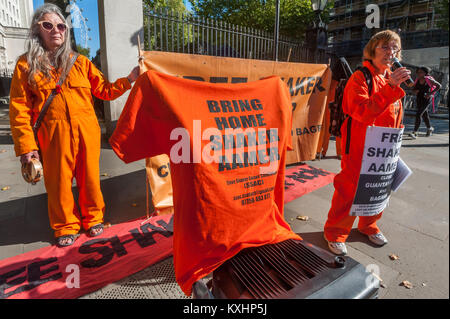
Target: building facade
x: 15, y: 20
x: 415, y: 20
x: 353, y: 22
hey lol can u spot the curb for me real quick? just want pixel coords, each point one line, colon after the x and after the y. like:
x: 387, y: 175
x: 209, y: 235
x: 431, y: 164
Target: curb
x: 444, y: 116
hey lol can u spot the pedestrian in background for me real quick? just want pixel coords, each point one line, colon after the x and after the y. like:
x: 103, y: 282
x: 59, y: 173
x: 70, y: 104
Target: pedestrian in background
x: 381, y: 108
x: 69, y: 137
x: 424, y: 88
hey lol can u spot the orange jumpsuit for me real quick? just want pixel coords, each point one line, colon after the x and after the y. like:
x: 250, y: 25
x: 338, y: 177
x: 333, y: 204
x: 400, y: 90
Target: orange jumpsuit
x: 69, y: 138
x: 382, y: 108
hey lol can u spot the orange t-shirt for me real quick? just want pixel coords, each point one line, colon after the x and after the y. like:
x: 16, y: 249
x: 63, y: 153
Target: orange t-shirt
x: 223, y: 202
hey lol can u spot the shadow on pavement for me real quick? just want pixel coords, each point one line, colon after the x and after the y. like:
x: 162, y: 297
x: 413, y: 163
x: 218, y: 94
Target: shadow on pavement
x: 426, y: 145
x: 317, y: 239
x: 124, y: 197
x: 5, y: 137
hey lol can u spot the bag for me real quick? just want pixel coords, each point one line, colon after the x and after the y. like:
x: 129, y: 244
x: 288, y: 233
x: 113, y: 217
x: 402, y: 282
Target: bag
x: 32, y: 172
x: 337, y: 115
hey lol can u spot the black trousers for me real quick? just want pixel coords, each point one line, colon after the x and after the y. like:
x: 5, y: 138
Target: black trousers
x: 422, y: 113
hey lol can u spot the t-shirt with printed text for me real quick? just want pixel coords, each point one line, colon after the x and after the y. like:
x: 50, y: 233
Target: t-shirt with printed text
x: 227, y: 144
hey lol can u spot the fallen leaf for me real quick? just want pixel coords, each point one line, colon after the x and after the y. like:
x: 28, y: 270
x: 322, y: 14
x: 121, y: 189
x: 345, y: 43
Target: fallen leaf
x: 304, y: 218
x: 5, y: 188
x: 394, y: 257
x: 107, y: 225
x: 383, y: 285
x: 104, y: 174
x: 3, y: 151
x: 406, y: 284
x: 424, y: 284
x: 376, y: 276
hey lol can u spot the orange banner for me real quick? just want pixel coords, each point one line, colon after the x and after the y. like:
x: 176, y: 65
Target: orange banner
x: 308, y: 85
x: 160, y: 182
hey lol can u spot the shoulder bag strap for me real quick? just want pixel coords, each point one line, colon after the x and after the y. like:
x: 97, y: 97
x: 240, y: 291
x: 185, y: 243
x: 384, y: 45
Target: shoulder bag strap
x: 61, y: 80
x: 369, y: 81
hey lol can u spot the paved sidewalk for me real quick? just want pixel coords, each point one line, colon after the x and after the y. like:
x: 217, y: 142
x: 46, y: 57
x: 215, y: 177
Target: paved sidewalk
x: 416, y: 222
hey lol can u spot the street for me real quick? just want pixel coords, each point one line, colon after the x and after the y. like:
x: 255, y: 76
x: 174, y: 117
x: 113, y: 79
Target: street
x: 415, y: 223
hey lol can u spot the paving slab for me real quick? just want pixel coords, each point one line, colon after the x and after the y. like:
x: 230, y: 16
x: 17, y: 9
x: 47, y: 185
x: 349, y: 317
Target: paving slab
x: 416, y: 221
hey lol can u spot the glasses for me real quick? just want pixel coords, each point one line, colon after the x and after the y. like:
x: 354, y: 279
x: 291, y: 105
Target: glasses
x: 386, y: 49
x: 48, y: 26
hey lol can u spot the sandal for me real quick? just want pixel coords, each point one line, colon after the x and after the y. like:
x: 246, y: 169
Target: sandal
x: 60, y: 240
x: 92, y: 231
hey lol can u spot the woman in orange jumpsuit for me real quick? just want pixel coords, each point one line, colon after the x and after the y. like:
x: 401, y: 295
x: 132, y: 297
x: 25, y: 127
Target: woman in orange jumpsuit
x: 381, y: 108
x: 69, y: 137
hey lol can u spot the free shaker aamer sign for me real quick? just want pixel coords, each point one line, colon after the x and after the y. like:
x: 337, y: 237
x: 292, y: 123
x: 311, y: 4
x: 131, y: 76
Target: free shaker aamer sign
x: 379, y: 163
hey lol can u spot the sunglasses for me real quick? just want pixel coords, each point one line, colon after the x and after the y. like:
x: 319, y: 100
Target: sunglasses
x: 48, y: 26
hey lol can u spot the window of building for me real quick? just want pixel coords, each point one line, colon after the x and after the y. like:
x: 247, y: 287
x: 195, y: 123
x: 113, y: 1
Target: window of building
x: 421, y: 24
x: 356, y: 34
x: 347, y: 35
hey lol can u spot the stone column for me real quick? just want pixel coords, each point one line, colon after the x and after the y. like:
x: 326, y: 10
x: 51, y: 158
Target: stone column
x: 120, y: 22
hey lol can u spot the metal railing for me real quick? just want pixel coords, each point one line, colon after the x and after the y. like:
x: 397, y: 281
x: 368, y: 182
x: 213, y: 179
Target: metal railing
x: 185, y: 33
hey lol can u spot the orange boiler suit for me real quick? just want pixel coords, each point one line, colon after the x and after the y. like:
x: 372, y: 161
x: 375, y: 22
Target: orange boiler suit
x: 382, y: 108
x: 69, y: 138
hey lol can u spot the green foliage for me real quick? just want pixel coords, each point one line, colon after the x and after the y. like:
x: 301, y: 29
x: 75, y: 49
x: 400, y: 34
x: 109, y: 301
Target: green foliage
x: 295, y: 15
x: 173, y: 5
x: 442, y: 10
x: 84, y: 51
x: 162, y: 8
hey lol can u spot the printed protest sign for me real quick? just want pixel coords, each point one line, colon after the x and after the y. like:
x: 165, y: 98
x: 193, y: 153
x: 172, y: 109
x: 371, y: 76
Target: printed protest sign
x: 379, y: 163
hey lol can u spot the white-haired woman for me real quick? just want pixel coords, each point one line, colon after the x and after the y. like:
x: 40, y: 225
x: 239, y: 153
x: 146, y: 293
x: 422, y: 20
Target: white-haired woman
x: 69, y: 136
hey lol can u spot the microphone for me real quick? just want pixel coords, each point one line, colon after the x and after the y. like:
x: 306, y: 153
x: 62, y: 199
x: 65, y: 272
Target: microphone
x: 395, y: 65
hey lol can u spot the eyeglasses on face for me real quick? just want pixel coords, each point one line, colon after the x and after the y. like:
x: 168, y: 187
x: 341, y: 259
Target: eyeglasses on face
x: 387, y: 48
x: 49, y: 26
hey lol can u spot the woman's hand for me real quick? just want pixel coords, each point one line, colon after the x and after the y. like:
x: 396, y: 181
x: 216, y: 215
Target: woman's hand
x: 133, y: 74
x: 399, y: 76
x: 26, y: 158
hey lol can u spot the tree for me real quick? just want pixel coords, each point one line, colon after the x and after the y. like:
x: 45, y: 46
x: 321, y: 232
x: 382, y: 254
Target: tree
x: 84, y: 51
x: 295, y: 15
x: 154, y: 11
x: 173, y: 5
x: 442, y: 10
